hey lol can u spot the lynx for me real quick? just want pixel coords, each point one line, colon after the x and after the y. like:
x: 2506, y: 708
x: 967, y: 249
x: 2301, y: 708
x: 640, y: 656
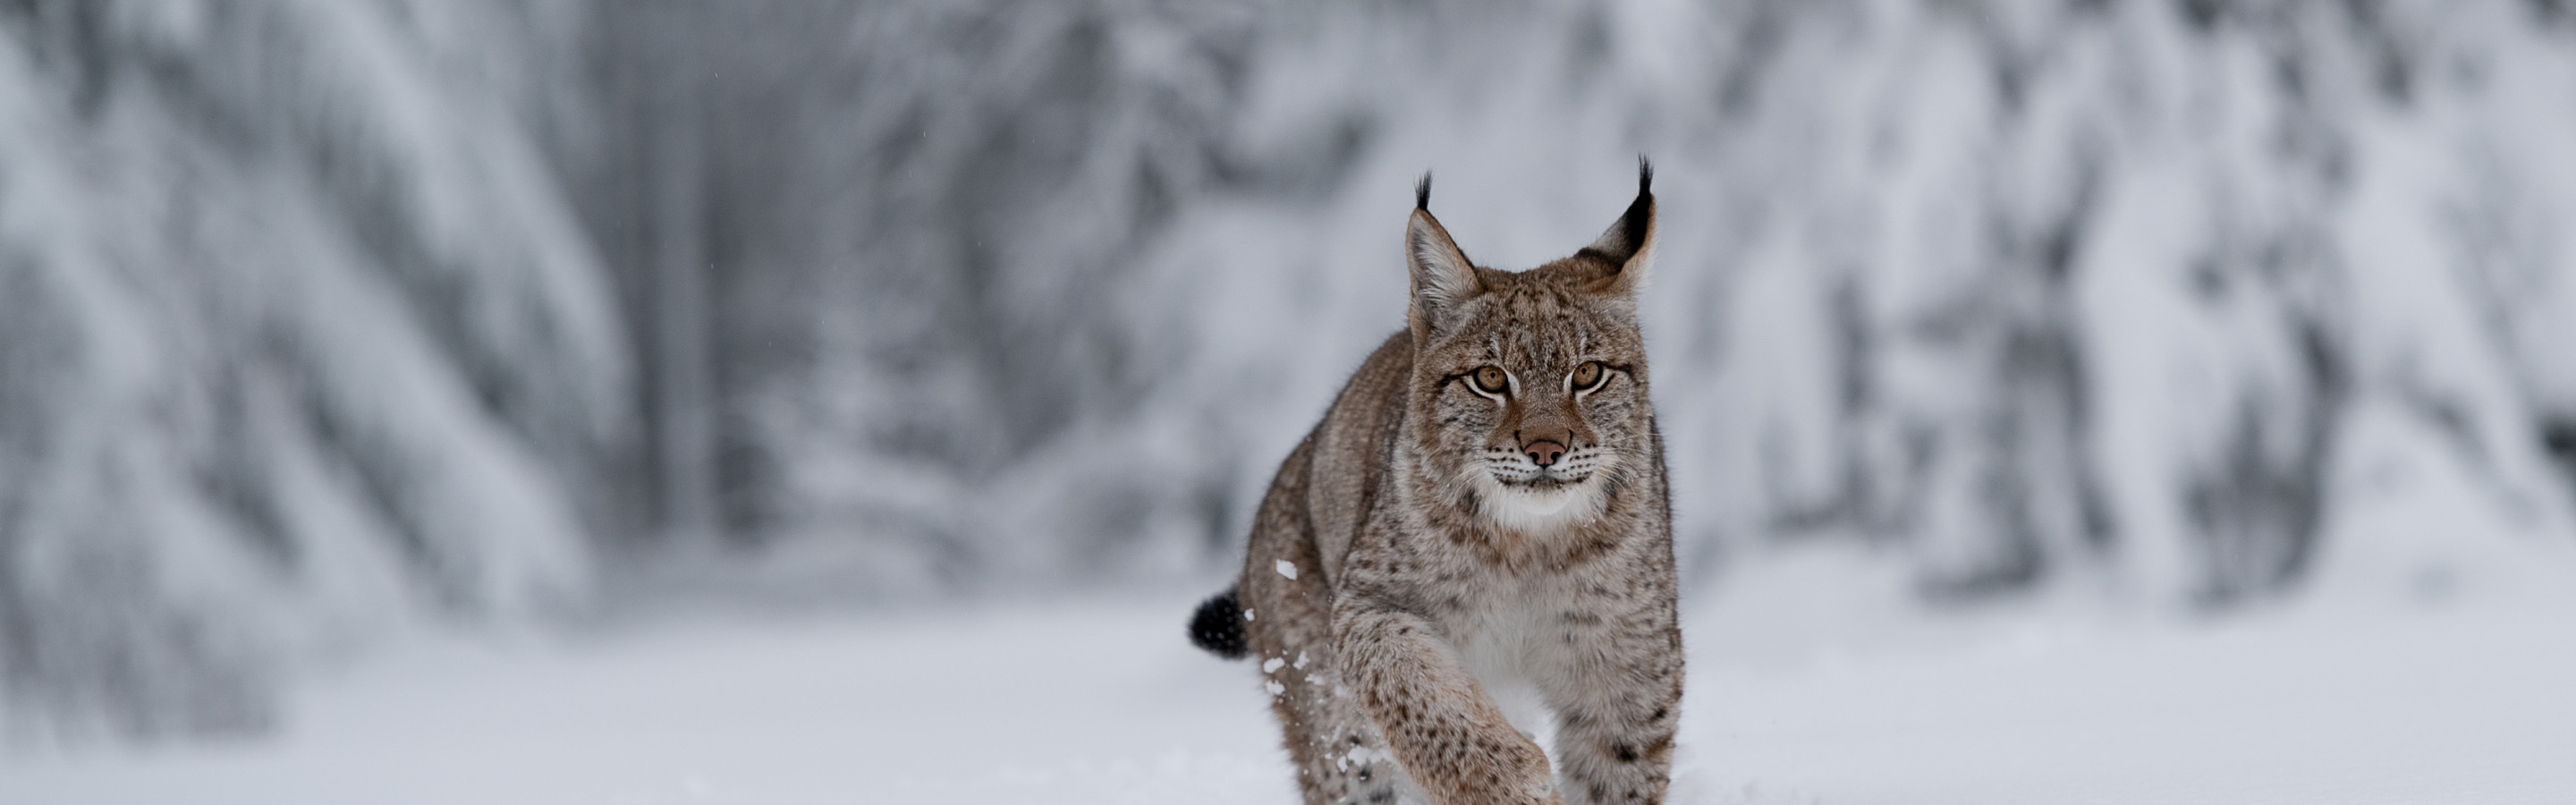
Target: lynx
x: 1483, y: 509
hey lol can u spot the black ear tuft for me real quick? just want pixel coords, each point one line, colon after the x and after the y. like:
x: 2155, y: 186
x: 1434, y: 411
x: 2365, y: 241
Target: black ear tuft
x: 1627, y: 237
x: 1422, y: 192
x: 1218, y: 626
x: 1635, y: 219
x: 1624, y: 247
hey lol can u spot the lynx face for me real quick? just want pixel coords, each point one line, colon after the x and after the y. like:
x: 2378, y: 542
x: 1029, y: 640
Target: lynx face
x: 1530, y: 387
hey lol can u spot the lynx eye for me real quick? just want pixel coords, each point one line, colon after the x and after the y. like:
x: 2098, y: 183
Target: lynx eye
x: 1491, y: 379
x: 1587, y: 376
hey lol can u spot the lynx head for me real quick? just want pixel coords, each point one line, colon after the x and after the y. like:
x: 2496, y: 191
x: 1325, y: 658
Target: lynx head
x: 1529, y: 388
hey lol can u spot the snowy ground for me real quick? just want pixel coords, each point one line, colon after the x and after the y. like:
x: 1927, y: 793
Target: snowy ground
x: 1792, y: 698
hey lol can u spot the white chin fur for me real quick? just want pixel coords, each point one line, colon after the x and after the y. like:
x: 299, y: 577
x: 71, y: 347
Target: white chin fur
x: 1539, y: 512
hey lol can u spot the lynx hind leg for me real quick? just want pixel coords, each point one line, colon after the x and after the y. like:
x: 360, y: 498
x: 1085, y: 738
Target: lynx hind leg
x: 1339, y: 756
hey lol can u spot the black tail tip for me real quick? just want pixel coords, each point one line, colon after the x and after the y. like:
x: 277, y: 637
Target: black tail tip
x: 1218, y: 626
x: 1422, y: 193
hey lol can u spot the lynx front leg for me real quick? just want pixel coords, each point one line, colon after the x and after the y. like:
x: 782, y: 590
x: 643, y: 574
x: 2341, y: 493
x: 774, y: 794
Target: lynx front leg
x: 1446, y: 732
x: 1617, y: 695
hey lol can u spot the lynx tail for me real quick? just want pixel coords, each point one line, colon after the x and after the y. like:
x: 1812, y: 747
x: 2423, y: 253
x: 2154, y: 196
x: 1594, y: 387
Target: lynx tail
x: 1218, y: 626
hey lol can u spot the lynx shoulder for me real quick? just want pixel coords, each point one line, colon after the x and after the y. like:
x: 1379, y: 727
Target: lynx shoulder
x: 1482, y: 509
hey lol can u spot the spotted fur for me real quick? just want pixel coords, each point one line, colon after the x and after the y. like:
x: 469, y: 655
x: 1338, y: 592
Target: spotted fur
x: 1432, y: 541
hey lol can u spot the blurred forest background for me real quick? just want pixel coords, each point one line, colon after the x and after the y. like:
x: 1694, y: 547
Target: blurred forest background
x: 324, y: 320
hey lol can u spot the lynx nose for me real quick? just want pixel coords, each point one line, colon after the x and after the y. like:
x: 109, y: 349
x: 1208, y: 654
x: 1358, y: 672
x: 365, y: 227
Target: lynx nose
x: 1545, y: 452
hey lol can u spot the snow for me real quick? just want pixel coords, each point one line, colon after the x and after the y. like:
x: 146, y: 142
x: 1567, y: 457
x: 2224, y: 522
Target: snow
x: 1057, y: 703
x: 2426, y: 659
x: 2451, y: 706
x: 2422, y: 656
x: 1797, y: 693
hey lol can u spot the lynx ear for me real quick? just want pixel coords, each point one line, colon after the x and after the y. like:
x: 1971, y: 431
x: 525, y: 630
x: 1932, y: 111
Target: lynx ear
x: 1629, y: 246
x: 1442, y: 277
